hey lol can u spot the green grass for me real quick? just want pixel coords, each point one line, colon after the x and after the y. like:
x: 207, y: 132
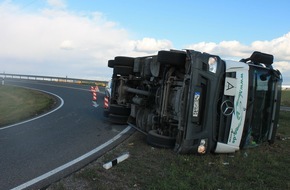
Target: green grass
x: 265, y: 167
x: 285, y: 99
x: 18, y: 104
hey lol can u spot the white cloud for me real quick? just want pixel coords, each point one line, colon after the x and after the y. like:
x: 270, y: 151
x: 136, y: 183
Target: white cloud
x: 223, y: 49
x: 151, y: 45
x: 279, y: 47
x: 282, y: 66
x: 34, y: 43
x: 56, y: 3
x: 67, y: 45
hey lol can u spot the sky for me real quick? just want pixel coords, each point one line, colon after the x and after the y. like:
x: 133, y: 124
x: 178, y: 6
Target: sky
x: 76, y: 38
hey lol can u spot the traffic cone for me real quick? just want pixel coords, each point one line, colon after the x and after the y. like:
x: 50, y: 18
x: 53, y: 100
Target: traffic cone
x: 106, y: 102
x: 94, y: 96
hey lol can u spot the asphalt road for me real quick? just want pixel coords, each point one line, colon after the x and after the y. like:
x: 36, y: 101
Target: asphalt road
x: 38, y: 152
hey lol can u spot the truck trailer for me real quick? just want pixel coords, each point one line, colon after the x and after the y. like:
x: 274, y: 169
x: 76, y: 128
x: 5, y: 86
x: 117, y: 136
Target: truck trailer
x: 195, y: 102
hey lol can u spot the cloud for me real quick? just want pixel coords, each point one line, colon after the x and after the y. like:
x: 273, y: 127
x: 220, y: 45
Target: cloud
x: 59, y: 4
x: 55, y: 41
x: 35, y: 42
x: 279, y: 47
x: 223, y: 49
x: 67, y: 45
x: 282, y: 66
x: 151, y: 45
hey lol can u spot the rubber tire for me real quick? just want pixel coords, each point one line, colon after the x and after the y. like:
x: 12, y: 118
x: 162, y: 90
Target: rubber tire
x: 111, y: 63
x: 119, y: 110
x: 139, y: 119
x: 124, y: 61
x: 172, y: 58
x: 123, y: 70
x: 160, y: 141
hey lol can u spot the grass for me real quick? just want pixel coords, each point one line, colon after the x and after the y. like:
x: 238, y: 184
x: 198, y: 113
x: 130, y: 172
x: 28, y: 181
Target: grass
x: 264, y: 167
x: 18, y: 104
x: 285, y: 100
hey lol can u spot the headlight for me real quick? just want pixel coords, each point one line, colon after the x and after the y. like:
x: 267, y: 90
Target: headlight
x: 202, y: 146
x: 212, y: 64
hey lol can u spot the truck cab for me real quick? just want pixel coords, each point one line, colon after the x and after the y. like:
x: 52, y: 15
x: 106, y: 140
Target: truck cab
x: 196, y: 102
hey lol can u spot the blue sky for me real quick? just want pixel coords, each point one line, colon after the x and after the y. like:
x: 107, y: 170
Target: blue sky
x: 76, y: 38
x: 185, y: 22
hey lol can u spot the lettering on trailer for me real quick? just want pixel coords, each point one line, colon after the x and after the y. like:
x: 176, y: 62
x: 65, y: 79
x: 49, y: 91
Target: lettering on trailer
x: 239, y: 111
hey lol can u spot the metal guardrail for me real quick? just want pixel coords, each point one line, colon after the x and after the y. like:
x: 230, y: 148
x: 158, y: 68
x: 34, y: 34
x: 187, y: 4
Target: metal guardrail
x: 284, y: 108
x: 51, y: 78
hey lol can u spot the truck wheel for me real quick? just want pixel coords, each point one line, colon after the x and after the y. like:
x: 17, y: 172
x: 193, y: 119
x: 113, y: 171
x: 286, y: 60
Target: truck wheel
x: 160, y: 141
x: 124, y: 61
x: 119, y: 110
x: 111, y: 63
x: 139, y: 117
x: 123, y: 70
x: 173, y: 58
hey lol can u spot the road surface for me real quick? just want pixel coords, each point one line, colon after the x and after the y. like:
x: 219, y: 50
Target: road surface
x: 41, y: 151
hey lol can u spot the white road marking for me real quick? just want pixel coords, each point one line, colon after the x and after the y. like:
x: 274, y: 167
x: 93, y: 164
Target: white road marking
x: 61, y: 104
x: 95, y: 104
x: 56, y: 170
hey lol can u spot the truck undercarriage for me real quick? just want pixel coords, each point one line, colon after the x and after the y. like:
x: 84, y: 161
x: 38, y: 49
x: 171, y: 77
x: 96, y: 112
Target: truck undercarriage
x: 188, y: 100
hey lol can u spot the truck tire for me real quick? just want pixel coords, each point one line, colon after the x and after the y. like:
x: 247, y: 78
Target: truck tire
x: 123, y: 70
x: 160, y: 141
x: 111, y: 63
x: 119, y: 110
x: 173, y: 58
x: 124, y: 61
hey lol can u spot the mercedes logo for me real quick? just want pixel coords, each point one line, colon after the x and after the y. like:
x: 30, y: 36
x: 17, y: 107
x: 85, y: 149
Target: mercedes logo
x: 227, y: 108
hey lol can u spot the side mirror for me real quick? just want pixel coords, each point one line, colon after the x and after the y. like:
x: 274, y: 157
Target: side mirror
x: 259, y: 57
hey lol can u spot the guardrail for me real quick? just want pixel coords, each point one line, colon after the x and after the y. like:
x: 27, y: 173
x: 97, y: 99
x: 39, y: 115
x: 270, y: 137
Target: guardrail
x: 55, y: 79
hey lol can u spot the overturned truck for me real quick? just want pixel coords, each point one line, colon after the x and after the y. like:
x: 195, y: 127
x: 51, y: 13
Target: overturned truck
x: 196, y: 102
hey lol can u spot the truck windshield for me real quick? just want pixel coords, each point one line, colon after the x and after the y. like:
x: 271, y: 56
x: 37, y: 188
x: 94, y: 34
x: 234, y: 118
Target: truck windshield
x: 263, y: 91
